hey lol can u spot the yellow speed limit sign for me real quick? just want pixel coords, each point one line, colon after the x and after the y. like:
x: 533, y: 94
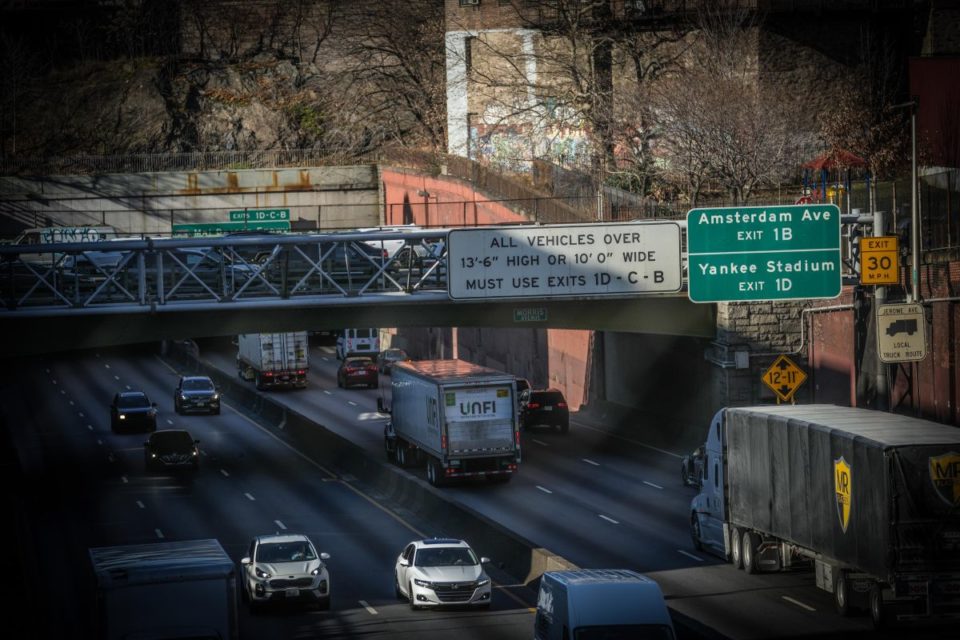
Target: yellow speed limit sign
x: 784, y: 377
x: 879, y: 260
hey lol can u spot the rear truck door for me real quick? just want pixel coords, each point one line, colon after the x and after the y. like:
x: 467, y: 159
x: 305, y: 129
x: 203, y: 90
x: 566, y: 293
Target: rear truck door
x: 479, y: 421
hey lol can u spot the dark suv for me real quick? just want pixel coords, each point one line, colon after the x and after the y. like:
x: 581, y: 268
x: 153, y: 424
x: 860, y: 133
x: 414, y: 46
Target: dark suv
x: 196, y: 393
x: 544, y: 407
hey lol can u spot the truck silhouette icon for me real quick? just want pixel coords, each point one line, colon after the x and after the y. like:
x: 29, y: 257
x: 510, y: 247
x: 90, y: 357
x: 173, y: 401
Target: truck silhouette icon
x: 908, y: 327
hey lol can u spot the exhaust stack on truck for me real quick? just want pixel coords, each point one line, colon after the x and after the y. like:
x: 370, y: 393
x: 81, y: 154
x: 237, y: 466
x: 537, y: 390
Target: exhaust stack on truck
x: 458, y: 418
x: 871, y: 500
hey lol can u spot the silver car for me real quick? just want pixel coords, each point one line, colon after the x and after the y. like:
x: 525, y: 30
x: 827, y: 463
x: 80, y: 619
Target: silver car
x: 285, y: 567
x: 439, y: 572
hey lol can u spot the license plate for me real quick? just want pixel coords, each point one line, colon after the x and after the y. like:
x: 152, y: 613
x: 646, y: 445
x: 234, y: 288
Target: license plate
x: 293, y: 593
x: 201, y: 404
x: 548, y: 408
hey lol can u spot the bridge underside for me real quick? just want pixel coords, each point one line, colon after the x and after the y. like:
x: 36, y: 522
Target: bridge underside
x: 654, y: 315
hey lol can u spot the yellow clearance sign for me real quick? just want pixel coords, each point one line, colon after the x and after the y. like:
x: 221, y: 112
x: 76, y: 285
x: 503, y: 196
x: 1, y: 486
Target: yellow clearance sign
x: 784, y: 377
x: 879, y: 260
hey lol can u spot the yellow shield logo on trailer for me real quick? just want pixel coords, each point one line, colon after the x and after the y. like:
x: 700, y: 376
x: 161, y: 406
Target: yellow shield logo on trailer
x: 842, y: 484
x: 945, y: 475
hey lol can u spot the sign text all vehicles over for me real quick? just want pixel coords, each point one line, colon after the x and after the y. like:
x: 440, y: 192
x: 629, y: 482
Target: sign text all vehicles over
x: 564, y: 260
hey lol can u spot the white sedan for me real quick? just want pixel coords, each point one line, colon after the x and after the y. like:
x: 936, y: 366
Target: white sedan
x: 438, y: 572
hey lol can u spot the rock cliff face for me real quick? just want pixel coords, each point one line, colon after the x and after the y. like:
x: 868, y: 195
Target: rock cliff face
x: 157, y: 106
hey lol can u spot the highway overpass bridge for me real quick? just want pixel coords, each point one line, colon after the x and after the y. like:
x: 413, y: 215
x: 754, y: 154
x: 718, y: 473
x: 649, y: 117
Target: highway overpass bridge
x: 79, y: 295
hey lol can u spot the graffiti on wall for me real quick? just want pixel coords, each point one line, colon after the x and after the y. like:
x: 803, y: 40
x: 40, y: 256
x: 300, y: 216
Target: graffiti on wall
x: 515, y: 146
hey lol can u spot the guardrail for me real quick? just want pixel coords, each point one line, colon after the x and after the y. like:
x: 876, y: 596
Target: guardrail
x: 153, y: 272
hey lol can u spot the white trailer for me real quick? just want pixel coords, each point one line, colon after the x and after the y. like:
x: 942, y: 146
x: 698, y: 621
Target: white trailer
x: 458, y: 418
x: 184, y: 589
x: 273, y: 359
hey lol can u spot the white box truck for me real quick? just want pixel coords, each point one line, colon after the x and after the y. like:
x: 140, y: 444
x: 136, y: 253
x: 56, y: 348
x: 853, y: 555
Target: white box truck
x: 458, y: 418
x: 867, y: 499
x: 182, y: 589
x: 273, y: 359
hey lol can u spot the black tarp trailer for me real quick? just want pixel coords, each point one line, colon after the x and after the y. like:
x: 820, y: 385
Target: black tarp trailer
x: 871, y: 498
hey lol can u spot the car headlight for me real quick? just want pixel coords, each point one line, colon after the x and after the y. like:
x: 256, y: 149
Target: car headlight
x: 422, y: 583
x: 316, y: 571
x: 153, y: 455
x: 216, y: 396
x: 183, y: 396
x: 260, y: 573
x: 483, y: 583
x: 123, y: 417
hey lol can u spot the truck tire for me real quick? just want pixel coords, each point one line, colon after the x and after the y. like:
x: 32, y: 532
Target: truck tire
x: 841, y: 594
x: 695, y: 532
x: 878, y: 610
x: 435, y: 473
x: 401, y: 455
x: 750, y: 541
x: 736, y: 547
x: 259, y: 381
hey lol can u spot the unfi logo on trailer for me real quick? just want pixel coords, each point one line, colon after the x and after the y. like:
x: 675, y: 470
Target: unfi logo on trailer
x: 945, y: 475
x: 482, y: 404
x: 842, y: 483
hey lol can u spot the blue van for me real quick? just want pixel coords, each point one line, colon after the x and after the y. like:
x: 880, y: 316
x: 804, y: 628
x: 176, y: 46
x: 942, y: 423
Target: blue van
x: 612, y: 604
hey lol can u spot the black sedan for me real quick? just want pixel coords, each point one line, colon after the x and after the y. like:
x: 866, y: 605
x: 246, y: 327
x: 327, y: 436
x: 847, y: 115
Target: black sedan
x: 196, y: 393
x: 171, y: 449
x: 132, y: 411
x: 357, y: 370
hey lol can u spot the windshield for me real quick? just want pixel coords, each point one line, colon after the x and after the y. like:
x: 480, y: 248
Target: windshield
x: 445, y: 557
x: 197, y: 384
x: 624, y: 632
x: 285, y: 552
x: 139, y: 401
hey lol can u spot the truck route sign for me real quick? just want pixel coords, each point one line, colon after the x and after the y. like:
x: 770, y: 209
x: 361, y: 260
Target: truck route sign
x: 901, y: 333
x: 553, y: 261
x: 784, y: 378
x: 776, y: 252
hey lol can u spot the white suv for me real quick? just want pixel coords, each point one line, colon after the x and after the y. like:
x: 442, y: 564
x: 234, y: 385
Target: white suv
x: 285, y: 567
x: 441, y: 572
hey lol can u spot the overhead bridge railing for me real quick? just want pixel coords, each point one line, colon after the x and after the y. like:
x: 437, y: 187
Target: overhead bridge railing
x: 142, y: 274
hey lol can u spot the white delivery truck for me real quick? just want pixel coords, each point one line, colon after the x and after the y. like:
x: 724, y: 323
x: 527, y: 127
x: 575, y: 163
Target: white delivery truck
x: 458, y: 418
x: 184, y: 589
x: 273, y: 359
x: 600, y: 603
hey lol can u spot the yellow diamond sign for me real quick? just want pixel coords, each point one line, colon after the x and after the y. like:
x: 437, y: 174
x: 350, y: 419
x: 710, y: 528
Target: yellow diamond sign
x: 784, y: 377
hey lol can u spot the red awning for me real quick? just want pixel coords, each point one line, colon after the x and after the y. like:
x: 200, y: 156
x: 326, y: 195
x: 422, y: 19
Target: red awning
x: 839, y: 159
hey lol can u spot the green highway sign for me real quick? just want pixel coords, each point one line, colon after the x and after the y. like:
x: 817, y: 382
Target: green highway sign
x: 529, y: 314
x: 260, y: 215
x: 777, y: 252
x: 218, y: 228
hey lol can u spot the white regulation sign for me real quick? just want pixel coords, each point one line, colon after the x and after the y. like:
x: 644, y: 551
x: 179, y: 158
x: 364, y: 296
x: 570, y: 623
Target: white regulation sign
x: 564, y: 260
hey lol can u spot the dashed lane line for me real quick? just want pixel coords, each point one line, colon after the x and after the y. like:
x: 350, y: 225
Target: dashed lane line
x: 159, y: 533
x: 351, y: 403
x: 798, y: 603
x: 280, y: 524
x: 225, y: 473
x: 544, y: 489
x: 141, y: 505
x: 589, y: 461
x: 250, y: 497
x: 370, y: 610
x: 540, y: 442
x: 608, y: 519
x: 650, y: 484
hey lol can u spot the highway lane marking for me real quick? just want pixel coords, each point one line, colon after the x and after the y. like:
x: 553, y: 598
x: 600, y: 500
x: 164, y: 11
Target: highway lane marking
x: 80, y: 414
x: 63, y: 392
x: 327, y: 392
x: 589, y: 461
x: 99, y: 441
x: 159, y: 533
x: 124, y: 480
x: 369, y: 609
x: 544, y: 489
x: 224, y: 472
x: 690, y: 555
x: 608, y: 519
x: 540, y: 442
x: 141, y: 505
x: 169, y: 421
x: 90, y: 426
x: 250, y: 497
x: 128, y: 387
x: 110, y: 457
x: 116, y: 378
x: 351, y: 403
x: 203, y: 452
x: 106, y: 365
x: 650, y: 484
x: 71, y: 403
x: 280, y: 524
x: 798, y: 603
